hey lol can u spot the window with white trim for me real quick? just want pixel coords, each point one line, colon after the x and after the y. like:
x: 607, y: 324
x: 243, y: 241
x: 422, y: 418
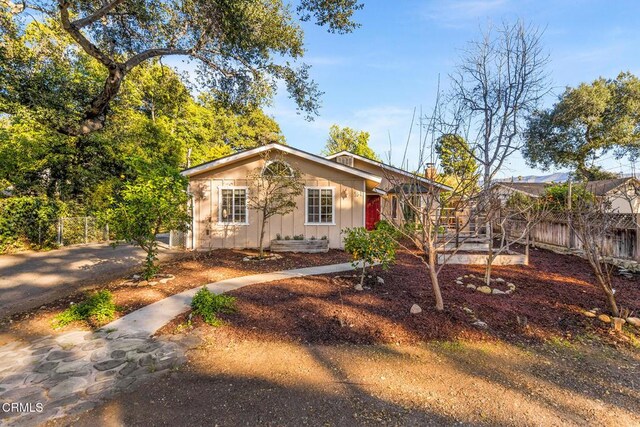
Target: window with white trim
x: 320, y: 205
x: 233, y: 205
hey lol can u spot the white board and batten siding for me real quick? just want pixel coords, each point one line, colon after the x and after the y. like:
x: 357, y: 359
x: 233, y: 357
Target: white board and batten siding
x: 210, y: 233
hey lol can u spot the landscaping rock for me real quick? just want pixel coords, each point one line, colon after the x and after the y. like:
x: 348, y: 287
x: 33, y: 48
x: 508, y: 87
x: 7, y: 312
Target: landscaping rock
x: 415, y: 309
x: 589, y: 314
x: 618, y: 323
x: 460, y: 278
x: 153, y: 283
x: 467, y: 310
x: 500, y: 280
x: 358, y: 287
x: 470, y: 286
x: 380, y: 280
x: 459, y: 282
x: 635, y: 321
x: 497, y: 292
x: 163, y: 281
x: 484, y: 289
x: 480, y: 324
x: 604, y: 318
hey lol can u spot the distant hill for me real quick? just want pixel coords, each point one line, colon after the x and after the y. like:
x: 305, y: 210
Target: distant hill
x: 555, y: 177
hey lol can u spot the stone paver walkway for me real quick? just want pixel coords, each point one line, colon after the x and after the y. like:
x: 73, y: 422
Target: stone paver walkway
x: 71, y: 373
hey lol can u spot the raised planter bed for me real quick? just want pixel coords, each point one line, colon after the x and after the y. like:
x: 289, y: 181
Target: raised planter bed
x: 481, y: 259
x: 307, y: 246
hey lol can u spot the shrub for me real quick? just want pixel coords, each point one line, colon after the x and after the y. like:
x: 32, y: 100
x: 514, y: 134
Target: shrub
x: 29, y: 221
x: 287, y: 238
x: 370, y: 247
x: 98, y: 308
x: 207, y: 304
x: 387, y: 227
x: 278, y: 236
x: 148, y: 206
x: 299, y: 237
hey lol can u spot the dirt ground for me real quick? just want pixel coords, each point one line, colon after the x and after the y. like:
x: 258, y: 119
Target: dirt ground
x: 313, y: 351
x: 230, y: 382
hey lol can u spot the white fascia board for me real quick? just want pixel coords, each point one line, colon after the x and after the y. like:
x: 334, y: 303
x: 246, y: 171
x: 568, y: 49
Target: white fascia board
x: 284, y: 148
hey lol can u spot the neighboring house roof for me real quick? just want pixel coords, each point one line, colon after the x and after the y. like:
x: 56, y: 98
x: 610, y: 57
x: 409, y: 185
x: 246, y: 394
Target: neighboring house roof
x: 605, y: 186
x: 598, y: 188
x: 534, y: 189
x: 384, y: 166
x: 208, y: 166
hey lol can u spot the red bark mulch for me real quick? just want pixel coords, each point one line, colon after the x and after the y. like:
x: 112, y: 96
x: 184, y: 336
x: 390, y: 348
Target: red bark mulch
x: 551, y: 294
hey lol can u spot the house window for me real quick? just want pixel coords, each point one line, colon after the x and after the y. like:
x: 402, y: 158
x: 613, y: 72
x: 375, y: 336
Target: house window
x: 320, y: 205
x: 233, y: 205
x: 394, y: 207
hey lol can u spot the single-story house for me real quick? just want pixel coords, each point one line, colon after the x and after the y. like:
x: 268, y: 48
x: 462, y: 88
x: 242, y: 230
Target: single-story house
x: 341, y: 191
x: 622, y: 193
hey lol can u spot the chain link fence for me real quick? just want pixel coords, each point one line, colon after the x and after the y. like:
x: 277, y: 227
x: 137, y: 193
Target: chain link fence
x: 80, y: 230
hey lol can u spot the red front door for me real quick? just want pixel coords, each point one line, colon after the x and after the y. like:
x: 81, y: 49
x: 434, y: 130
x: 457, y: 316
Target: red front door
x: 372, y: 211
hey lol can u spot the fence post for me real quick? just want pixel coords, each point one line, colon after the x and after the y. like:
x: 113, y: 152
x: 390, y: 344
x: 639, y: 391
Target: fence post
x: 637, y: 221
x: 106, y: 227
x: 86, y: 229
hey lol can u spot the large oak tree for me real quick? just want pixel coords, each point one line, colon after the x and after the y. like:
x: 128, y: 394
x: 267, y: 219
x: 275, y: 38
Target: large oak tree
x: 242, y: 49
x: 587, y: 122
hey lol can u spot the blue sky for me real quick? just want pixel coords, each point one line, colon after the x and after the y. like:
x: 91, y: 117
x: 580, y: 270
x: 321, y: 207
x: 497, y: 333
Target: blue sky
x: 375, y: 77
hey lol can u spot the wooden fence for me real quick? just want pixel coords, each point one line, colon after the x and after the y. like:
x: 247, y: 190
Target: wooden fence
x: 621, y: 243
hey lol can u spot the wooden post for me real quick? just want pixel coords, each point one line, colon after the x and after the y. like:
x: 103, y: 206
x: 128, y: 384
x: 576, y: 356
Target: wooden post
x: 572, y: 237
x: 86, y: 229
x: 638, y: 237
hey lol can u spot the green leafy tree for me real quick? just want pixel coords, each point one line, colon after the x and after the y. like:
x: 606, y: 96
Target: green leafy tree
x: 370, y: 247
x: 456, y: 157
x: 274, y: 189
x: 348, y: 139
x: 587, y: 122
x: 242, y: 49
x: 154, y: 122
x: 146, y: 207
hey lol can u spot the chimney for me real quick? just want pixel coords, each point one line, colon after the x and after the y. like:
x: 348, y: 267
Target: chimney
x: 430, y: 171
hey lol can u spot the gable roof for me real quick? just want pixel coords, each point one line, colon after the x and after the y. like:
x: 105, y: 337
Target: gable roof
x: 598, y: 188
x: 208, y: 166
x: 604, y: 186
x: 391, y: 168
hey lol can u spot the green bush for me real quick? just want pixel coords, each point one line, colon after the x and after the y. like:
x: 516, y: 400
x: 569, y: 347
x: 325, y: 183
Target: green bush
x: 387, y: 227
x: 29, y: 222
x: 207, y: 304
x: 98, y: 308
x: 370, y: 247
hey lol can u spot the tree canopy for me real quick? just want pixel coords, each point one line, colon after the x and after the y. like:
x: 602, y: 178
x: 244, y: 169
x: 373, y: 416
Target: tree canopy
x: 154, y: 122
x: 348, y: 139
x: 241, y: 49
x: 456, y: 157
x: 588, y: 121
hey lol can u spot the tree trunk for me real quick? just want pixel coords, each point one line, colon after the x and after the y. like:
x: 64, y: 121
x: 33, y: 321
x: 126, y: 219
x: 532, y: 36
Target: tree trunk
x: 95, y: 117
x: 261, y: 244
x: 435, y: 284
